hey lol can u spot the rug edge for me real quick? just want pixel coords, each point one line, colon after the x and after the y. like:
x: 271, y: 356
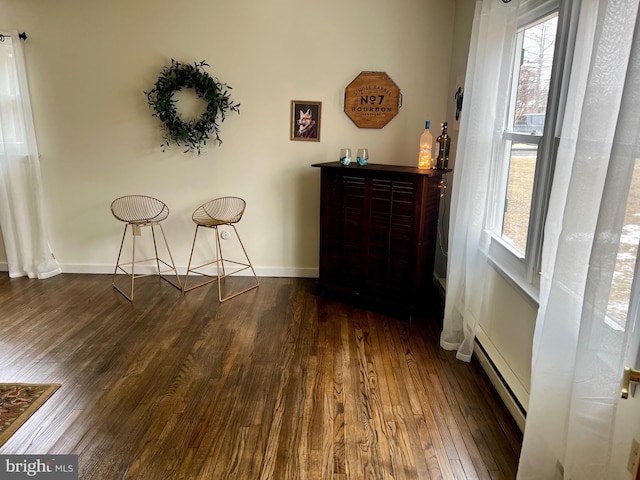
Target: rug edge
x: 22, y: 419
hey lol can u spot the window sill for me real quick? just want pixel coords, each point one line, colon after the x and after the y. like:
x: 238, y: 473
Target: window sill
x: 514, y: 278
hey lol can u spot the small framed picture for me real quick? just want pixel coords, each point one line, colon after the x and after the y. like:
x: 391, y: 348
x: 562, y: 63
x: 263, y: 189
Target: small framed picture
x: 305, y: 120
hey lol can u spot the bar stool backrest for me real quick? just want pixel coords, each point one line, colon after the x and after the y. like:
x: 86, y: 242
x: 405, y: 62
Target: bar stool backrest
x: 221, y: 211
x: 139, y: 209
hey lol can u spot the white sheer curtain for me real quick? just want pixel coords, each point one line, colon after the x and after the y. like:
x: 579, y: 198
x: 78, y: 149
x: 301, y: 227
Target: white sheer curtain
x: 486, y: 87
x: 578, y: 350
x: 22, y: 218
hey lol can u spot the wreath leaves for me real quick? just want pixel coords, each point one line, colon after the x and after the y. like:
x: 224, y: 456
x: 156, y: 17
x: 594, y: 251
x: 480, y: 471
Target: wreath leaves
x: 192, y: 133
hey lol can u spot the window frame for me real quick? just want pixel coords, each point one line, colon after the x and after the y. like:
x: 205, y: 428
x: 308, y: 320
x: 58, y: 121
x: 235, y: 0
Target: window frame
x: 524, y: 270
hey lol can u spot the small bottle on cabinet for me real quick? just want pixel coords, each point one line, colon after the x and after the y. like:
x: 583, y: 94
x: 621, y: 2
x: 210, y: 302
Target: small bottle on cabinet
x: 426, y: 142
x: 443, y: 145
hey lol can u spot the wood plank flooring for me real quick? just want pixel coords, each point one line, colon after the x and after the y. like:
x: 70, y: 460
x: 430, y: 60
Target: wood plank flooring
x: 278, y: 383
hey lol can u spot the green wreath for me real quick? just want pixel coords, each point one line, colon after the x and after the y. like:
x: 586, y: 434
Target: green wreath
x: 192, y: 133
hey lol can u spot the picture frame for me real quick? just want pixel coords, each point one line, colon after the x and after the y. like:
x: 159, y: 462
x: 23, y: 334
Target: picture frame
x: 305, y: 120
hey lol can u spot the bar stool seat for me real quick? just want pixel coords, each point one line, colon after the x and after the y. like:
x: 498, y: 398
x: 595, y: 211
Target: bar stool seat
x: 213, y: 214
x: 138, y: 211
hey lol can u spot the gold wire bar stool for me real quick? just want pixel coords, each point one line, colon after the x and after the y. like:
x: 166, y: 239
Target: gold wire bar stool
x: 215, y: 213
x: 140, y: 211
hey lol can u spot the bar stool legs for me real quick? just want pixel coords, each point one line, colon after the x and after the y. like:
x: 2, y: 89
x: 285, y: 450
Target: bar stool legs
x: 139, y: 211
x: 222, y: 211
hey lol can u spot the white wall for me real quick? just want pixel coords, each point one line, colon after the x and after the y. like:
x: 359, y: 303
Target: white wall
x: 505, y: 331
x: 90, y: 62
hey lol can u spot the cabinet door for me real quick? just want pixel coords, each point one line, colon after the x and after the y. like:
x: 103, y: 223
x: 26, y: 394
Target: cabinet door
x: 391, y: 252
x: 344, y: 263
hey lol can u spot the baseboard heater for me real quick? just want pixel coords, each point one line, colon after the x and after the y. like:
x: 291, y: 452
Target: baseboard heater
x: 512, y: 403
x: 515, y: 407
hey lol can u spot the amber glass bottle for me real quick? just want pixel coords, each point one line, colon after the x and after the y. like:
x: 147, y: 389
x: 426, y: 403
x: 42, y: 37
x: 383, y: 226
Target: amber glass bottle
x: 443, y: 145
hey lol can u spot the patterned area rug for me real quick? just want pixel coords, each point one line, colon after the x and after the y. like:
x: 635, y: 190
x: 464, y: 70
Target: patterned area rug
x: 18, y: 401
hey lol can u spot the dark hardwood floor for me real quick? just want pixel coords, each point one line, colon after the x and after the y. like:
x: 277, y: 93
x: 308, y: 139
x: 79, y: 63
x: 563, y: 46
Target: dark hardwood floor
x: 278, y: 383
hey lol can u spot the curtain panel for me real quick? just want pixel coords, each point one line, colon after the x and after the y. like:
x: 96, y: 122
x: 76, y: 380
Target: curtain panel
x: 486, y: 87
x: 22, y: 214
x: 578, y: 351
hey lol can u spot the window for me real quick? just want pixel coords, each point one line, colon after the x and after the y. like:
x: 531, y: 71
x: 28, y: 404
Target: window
x: 525, y: 157
x: 12, y: 136
x: 627, y: 256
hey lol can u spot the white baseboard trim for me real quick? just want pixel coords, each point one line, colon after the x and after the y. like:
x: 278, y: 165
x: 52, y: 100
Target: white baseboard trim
x: 293, y: 272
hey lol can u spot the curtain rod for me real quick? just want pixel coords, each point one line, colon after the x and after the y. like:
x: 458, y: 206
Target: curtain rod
x: 21, y: 36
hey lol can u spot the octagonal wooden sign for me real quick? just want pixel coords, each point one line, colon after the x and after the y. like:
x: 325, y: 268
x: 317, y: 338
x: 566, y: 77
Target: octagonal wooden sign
x: 372, y: 99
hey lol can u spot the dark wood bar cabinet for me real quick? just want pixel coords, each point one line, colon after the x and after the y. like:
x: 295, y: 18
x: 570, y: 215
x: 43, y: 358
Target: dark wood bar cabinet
x: 378, y: 230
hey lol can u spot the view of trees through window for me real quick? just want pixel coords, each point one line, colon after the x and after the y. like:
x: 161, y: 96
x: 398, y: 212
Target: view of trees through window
x: 537, y: 43
x: 535, y: 69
